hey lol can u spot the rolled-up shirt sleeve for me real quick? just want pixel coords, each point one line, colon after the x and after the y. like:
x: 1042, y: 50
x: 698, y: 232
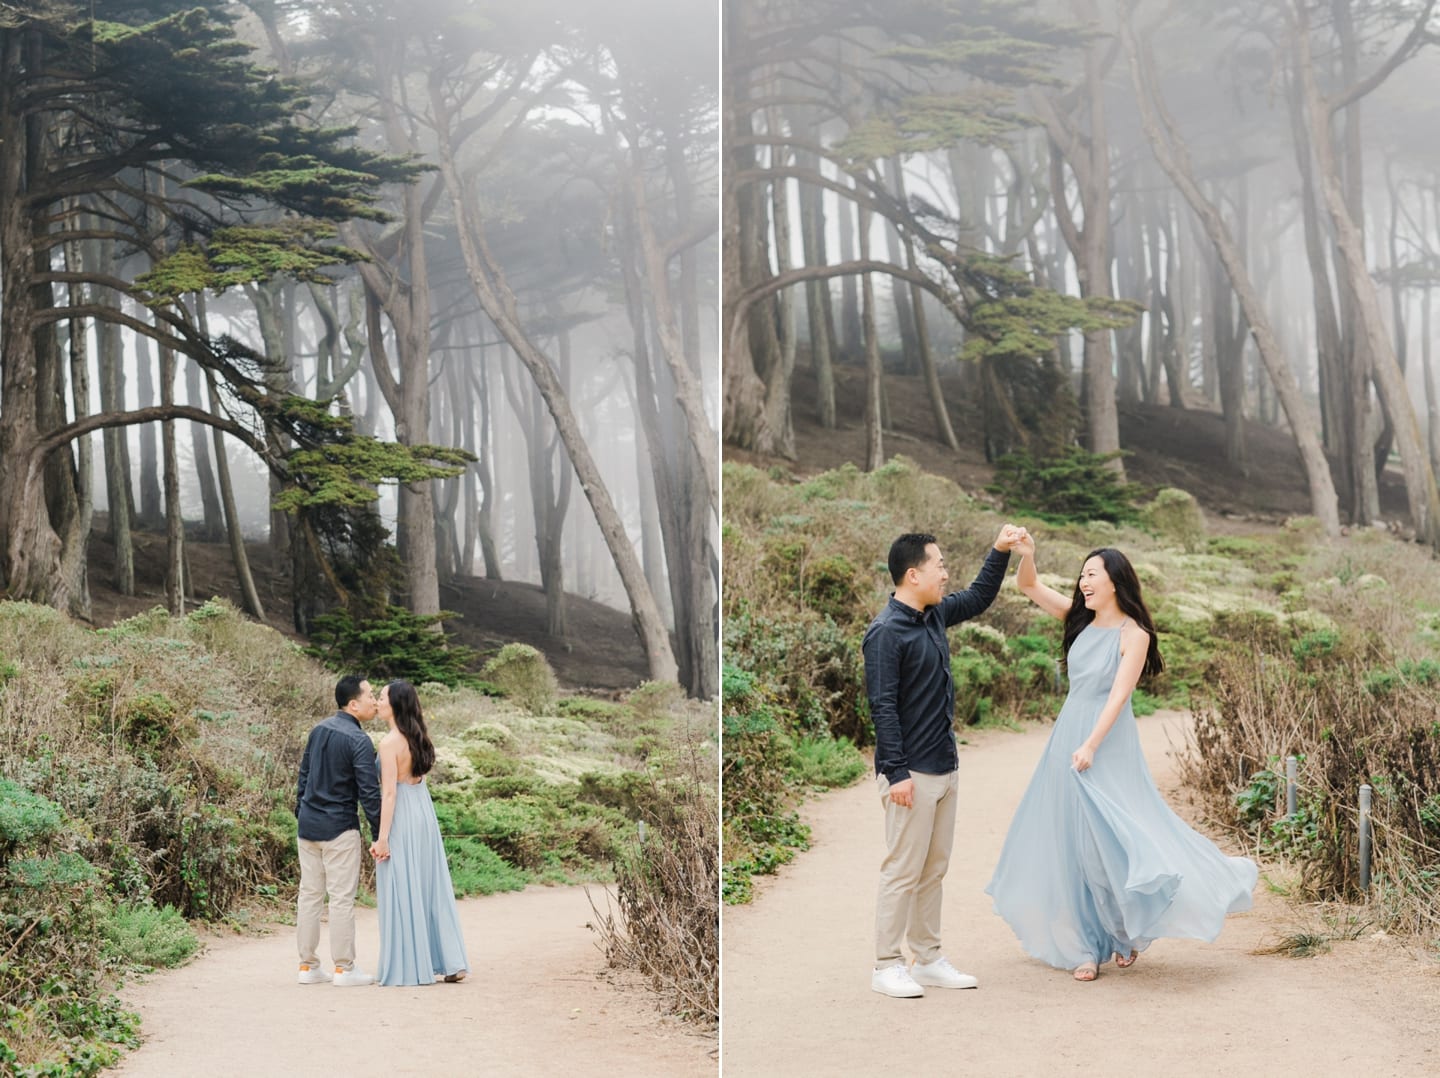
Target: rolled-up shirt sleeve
x: 882, y: 686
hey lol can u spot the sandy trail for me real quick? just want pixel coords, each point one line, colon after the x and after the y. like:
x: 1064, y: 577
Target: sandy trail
x: 797, y: 998
x: 536, y: 1003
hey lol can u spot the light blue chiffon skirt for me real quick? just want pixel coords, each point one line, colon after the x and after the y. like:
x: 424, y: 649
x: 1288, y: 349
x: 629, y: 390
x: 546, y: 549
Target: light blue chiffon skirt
x: 420, y: 935
x: 1096, y: 863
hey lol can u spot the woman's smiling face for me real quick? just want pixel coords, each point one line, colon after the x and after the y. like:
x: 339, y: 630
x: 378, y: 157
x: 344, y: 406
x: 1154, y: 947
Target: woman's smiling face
x: 1095, y: 584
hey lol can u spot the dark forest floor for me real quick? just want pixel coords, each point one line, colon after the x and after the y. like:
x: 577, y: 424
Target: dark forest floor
x: 600, y: 652
x: 1168, y: 447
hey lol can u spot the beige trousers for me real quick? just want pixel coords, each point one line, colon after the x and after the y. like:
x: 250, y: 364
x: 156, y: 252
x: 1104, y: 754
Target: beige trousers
x: 331, y: 868
x: 918, y: 841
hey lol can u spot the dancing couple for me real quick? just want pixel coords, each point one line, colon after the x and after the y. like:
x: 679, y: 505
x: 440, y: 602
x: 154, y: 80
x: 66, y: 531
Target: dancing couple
x: 1095, y: 863
x: 420, y: 937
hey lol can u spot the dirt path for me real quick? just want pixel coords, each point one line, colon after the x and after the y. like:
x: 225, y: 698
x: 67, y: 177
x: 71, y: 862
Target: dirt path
x: 797, y: 998
x: 536, y: 1003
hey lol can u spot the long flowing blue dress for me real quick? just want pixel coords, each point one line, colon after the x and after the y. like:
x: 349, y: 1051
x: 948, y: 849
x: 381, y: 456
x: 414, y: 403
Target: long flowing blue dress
x: 1095, y: 862
x: 420, y: 935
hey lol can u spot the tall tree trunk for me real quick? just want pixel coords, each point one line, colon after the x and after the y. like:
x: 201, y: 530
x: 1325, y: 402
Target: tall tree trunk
x: 174, y: 522
x: 1089, y: 160
x: 874, y: 368
x: 214, y: 517
x: 817, y: 293
x: 900, y: 290
x: 934, y: 390
x: 1432, y: 399
x: 118, y: 498
x: 485, y: 472
x: 1420, y: 488
x: 75, y: 550
x: 852, y: 334
x: 152, y: 509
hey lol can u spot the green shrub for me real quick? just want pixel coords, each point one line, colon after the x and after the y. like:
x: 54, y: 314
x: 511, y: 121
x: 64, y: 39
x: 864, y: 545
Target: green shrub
x: 524, y: 675
x: 25, y: 818
x: 392, y: 644
x: 1174, y: 515
x: 476, y: 869
x: 651, y: 701
x: 586, y: 707
x: 1073, y: 485
x: 824, y: 761
x: 144, y: 935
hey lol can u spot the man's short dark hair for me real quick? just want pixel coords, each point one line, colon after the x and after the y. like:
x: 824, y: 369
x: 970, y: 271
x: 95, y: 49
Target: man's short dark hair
x: 348, y: 689
x: 908, y: 552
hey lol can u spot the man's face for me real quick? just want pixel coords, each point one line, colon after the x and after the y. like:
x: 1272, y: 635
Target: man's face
x: 930, y: 577
x: 366, y: 704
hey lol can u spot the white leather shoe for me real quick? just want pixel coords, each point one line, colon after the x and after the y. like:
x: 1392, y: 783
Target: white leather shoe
x: 941, y: 974
x: 895, y: 981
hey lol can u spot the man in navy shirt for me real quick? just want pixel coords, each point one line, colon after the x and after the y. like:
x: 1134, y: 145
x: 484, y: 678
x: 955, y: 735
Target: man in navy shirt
x: 337, y: 772
x: 912, y: 703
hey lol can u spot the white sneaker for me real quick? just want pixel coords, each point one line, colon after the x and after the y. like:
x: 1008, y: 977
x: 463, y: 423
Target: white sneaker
x: 350, y: 978
x: 895, y: 981
x: 941, y: 974
x: 312, y: 975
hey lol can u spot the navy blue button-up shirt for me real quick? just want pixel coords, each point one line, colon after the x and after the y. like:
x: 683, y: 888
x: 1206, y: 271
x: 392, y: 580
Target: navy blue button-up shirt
x: 337, y: 770
x: 907, y: 676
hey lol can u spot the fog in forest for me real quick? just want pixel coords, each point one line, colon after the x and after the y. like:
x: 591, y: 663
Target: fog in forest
x: 478, y: 226
x: 1225, y: 208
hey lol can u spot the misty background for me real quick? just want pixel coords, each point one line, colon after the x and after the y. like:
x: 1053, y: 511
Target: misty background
x: 542, y: 296
x: 1054, y: 218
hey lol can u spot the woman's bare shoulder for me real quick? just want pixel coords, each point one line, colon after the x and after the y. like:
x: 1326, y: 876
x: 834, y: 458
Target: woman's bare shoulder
x: 1134, y: 633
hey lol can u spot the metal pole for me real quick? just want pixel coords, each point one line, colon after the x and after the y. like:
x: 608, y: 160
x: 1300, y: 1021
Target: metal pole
x: 1290, y: 765
x: 1365, y: 838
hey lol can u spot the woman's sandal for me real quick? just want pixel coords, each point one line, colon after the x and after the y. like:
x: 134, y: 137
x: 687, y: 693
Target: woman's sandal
x: 1087, y: 971
x: 455, y: 978
x: 1122, y: 962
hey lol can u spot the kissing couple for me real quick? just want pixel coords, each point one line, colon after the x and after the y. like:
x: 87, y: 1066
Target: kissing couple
x: 420, y: 937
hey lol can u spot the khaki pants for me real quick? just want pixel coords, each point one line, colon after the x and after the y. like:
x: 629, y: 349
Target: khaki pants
x: 331, y: 868
x: 918, y: 841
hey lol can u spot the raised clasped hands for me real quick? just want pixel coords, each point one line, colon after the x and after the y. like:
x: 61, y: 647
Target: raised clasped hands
x: 1014, y: 537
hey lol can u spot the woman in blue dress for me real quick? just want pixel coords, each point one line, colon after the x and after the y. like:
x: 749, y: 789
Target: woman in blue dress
x: 420, y: 937
x: 1095, y: 863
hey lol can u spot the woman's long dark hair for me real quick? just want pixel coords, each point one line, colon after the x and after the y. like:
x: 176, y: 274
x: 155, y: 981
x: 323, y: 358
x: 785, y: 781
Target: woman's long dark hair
x: 410, y: 721
x: 1127, y: 594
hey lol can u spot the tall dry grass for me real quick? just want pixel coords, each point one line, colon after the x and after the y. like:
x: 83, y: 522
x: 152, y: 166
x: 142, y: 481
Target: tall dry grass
x: 664, y: 922
x: 1349, y: 683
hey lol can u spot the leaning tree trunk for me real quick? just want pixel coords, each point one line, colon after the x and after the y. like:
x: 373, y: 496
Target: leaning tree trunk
x: 498, y: 302
x: 1171, y: 152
